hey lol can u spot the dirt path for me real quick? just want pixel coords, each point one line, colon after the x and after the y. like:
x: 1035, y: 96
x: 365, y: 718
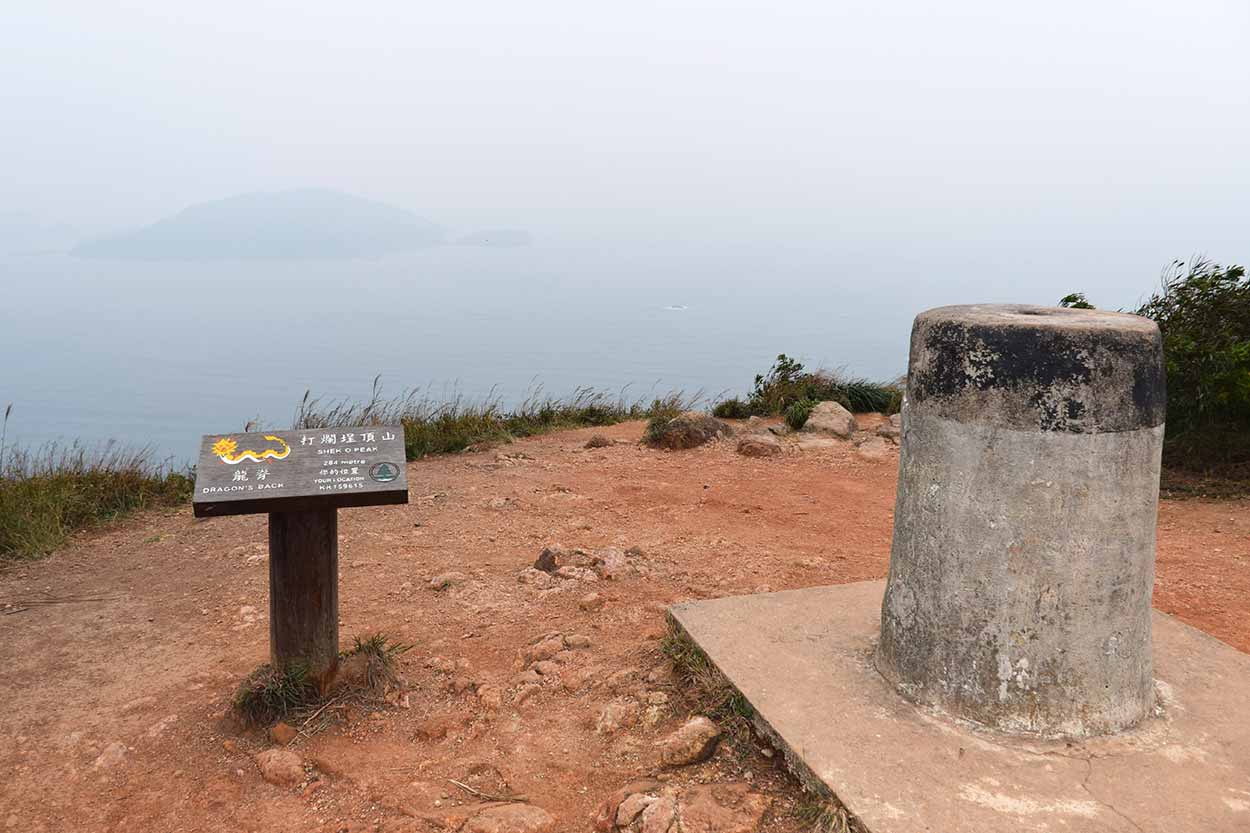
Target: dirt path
x: 113, y: 709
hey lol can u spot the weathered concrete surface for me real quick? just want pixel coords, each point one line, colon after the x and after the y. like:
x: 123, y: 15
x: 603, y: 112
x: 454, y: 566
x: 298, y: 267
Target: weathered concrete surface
x: 802, y: 659
x: 1024, y: 535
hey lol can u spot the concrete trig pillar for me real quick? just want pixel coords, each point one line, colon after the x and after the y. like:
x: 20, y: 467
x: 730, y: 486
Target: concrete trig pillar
x: 1024, y: 531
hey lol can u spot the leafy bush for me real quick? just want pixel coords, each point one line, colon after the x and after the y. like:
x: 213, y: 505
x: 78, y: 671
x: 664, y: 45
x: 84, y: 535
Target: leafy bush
x: 788, y: 382
x: 732, y: 409
x: 1203, y: 310
x: 798, y: 412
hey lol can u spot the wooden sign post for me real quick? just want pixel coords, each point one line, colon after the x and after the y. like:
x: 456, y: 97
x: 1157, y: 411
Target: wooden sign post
x: 301, y: 478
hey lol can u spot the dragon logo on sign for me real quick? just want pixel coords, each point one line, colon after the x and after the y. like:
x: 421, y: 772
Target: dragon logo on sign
x: 226, y: 450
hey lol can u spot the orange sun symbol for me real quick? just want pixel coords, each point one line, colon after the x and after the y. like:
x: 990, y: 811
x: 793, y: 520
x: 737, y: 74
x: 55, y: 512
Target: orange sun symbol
x: 224, y: 447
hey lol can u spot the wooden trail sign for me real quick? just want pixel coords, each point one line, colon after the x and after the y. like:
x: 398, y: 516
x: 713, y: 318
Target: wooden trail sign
x: 301, y: 478
x: 285, y: 471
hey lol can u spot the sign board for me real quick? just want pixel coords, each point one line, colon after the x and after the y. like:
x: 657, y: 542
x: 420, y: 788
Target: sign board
x: 300, y: 471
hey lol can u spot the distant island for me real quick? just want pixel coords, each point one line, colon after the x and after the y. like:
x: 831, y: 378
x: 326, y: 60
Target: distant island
x: 307, y: 223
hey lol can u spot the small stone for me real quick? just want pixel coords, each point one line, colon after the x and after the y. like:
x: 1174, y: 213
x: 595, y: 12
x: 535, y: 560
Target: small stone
x: 547, y: 667
x: 529, y: 677
x: 612, y: 564
x: 446, y: 580
x: 758, y: 445
x: 577, y: 573
x: 537, y: 578
x: 280, y: 766
x: 599, y: 441
x: 545, y: 648
x: 830, y: 418
x: 282, y: 733
x: 634, y: 552
x: 511, y: 818
x: 605, y: 816
x: 490, y: 696
x: 687, y: 430
x: 112, y: 755
x: 616, y: 716
x: 591, y: 601
x: 549, y: 560
x: 693, y: 742
x: 632, y: 807
x: 657, y: 817
x: 526, y: 693
x: 577, y: 641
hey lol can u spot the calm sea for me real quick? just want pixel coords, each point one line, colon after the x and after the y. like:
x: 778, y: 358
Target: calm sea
x: 156, y: 353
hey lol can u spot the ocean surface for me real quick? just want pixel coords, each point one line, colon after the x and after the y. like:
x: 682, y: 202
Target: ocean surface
x: 157, y: 353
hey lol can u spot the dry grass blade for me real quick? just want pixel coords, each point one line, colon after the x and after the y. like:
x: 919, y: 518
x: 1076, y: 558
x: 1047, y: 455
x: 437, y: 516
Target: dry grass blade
x: 488, y: 796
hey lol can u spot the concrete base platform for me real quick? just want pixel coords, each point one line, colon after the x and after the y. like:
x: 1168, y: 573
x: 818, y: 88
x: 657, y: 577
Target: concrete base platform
x: 802, y: 658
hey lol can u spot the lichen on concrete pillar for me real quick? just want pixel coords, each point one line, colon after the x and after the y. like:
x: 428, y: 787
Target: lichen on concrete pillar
x: 1024, y: 533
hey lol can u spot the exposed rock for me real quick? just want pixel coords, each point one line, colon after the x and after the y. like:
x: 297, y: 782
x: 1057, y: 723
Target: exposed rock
x: 813, y: 443
x: 577, y: 640
x: 688, y: 430
x: 721, y: 808
x: 282, y: 733
x: 446, y: 580
x: 490, y: 696
x: 112, y: 755
x: 605, y: 816
x: 759, y: 445
x: 599, y: 441
x: 658, y: 816
x: 874, y: 448
x: 550, y: 559
x: 511, y: 818
x: 545, y: 647
x: 632, y: 807
x: 634, y: 552
x: 529, y: 677
x: 780, y: 430
x: 693, y: 742
x: 280, y: 766
x: 577, y: 573
x: 830, y: 418
x: 891, y: 429
x: 612, y: 563
x: 617, y: 715
x: 537, y: 578
x: 546, y: 668
x: 590, y: 602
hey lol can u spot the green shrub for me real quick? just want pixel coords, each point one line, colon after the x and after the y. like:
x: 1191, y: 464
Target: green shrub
x: 732, y: 409
x: 1203, y: 310
x: 798, y: 412
x: 788, y: 382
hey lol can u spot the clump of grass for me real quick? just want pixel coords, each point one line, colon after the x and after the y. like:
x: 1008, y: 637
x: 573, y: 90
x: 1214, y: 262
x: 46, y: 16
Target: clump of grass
x: 798, y: 412
x: 443, y: 427
x: 367, y: 671
x: 269, y: 695
x: 733, y: 408
x: 378, y: 654
x: 825, y: 816
x: 46, y: 495
x: 706, y: 688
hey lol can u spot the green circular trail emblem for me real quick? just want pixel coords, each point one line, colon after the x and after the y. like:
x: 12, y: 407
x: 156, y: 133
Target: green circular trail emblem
x: 384, y: 472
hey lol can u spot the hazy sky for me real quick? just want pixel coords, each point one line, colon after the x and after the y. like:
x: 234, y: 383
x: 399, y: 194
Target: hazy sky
x: 1063, y: 130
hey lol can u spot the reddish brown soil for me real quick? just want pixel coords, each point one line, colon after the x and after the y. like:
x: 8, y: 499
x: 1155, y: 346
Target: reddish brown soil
x: 153, y: 663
